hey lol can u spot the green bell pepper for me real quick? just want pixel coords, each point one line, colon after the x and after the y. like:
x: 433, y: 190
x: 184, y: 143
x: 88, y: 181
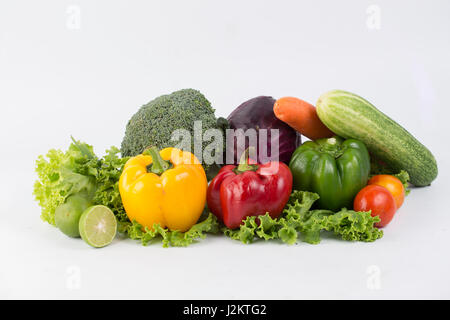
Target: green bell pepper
x: 333, y: 168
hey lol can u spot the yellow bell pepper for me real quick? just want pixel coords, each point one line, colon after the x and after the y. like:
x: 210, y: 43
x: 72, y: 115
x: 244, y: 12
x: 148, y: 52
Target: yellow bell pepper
x: 168, y: 188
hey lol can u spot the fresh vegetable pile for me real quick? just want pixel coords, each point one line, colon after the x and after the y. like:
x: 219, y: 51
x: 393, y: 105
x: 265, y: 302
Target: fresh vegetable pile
x: 350, y: 179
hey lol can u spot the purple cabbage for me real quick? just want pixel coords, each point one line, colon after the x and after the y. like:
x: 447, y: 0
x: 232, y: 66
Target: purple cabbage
x: 257, y: 113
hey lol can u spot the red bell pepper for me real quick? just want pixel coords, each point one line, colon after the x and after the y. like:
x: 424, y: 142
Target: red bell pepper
x: 249, y: 189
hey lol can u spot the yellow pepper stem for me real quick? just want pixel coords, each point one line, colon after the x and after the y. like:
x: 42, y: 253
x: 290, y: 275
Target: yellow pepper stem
x: 158, y: 165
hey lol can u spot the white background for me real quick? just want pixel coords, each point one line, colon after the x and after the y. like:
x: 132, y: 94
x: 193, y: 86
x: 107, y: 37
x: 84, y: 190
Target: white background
x: 84, y: 75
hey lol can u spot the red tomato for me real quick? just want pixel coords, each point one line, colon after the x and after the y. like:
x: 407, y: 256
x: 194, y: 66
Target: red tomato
x: 393, y: 184
x: 377, y: 199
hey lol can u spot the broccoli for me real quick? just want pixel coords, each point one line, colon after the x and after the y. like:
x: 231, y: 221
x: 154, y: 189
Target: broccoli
x: 155, y: 122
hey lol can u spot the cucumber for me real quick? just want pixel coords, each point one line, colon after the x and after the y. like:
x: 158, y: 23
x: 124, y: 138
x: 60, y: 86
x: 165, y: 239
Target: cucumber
x: 351, y: 116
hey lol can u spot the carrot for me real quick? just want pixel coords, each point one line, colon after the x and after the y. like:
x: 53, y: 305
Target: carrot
x: 301, y: 116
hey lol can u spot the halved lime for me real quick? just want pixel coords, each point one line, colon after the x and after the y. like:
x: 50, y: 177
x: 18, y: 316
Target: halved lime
x: 98, y: 226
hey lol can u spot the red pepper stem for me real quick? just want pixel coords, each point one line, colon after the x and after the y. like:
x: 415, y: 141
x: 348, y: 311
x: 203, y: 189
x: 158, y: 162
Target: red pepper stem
x: 243, y: 161
x: 158, y: 165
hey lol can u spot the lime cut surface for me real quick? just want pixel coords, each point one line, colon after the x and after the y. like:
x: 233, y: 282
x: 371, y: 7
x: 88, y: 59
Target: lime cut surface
x: 98, y: 226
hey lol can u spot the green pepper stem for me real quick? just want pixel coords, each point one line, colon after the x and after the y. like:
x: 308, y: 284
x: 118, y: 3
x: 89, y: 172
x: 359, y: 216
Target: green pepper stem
x: 243, y: 161
x: 158, y: 166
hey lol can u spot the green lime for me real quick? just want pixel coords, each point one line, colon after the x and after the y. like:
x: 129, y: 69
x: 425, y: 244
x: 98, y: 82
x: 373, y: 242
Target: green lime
x: 98, y: 226
x: 67, y: 215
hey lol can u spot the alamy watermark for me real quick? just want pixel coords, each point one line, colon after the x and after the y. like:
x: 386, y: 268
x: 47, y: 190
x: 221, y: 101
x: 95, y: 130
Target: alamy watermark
x: 215, y: 146
x: 73, y: 17
x: 373, y: 277
x: 73, y: 278
x: 373, y: 21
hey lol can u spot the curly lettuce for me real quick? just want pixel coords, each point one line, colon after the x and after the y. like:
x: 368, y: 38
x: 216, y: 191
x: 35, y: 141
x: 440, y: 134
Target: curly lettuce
x: 403, y: 176
x: 107, y: 178
x: 62, y: 174
x: 298, y: 220
x: 78, y: 171
x: 136, y: 231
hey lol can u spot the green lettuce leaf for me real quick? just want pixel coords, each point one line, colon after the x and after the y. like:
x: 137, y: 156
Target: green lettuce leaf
x: 169, y: 238
x: 78, y: 170
x: 62, y: 174
x: 268, y: 228
x: 287, y: 232
x: 298, y: 219
x: 403, y: 176
x: 348, y: 224
x: 107, y: 178
x: 245, y: 233
x: 354, y: 226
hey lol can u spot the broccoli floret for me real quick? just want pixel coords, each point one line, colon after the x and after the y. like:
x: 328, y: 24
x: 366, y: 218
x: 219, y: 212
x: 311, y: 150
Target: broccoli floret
x: 155, y: 122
